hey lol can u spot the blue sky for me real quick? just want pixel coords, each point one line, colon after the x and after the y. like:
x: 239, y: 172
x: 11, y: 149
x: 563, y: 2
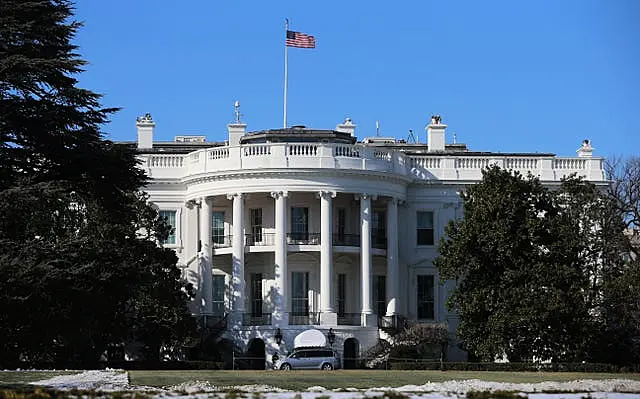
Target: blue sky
x: 506, y: 76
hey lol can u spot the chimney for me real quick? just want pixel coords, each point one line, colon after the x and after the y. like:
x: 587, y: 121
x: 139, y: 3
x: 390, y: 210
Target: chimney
x: 145, y: 125
x: 585, y: 151
x: 346, y: 127
x: 237, y: 129
x: 435, y: 134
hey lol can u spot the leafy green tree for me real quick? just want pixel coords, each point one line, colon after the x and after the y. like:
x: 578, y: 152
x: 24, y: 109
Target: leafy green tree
x: 526, y: 262
x: 79, y: 269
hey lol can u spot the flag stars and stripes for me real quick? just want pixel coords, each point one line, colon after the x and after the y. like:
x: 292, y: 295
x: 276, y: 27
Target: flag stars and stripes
x: 301, y: 40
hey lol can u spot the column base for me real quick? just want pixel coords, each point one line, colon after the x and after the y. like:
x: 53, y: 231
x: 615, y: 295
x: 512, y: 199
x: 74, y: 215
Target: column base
x: 328, y: 319
x: 369, y: 320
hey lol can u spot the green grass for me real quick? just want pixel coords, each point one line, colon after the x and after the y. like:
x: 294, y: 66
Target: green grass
x: 301, y: 380
x: 14, y: 378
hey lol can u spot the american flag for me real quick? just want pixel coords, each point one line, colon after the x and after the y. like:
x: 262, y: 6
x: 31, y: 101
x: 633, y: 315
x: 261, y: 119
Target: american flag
x: 302, y: 40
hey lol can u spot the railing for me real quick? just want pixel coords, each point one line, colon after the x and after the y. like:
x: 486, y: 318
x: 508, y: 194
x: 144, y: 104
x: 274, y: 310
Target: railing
x: 304, y: 319
x: 222, y: 241
x: 303, y: 238
x: 260, y: 240
x: 346, y: 240
x: 349, y: 319
x: 452, y: 166
x: 251, y: 319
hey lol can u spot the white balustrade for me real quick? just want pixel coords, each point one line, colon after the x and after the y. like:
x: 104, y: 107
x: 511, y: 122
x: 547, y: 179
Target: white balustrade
x: 359, y: 157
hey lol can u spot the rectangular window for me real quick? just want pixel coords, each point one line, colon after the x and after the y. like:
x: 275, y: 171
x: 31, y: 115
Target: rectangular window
x: 380, y: 295
x: 378, y: 230
x: 425, y: 228
x: 217, y: 227
x: 256, y: 295
x: 170, y: 218
x: 341, y: 225
x: 218, y: 294
x: 426, y: 297
x: 300, y: 293
x: 256, y: 226
x: 342, y: 294
x: 299, y: 224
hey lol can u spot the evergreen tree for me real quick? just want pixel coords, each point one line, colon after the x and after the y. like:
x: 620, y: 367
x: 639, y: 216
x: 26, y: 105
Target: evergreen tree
x: 76, y: 275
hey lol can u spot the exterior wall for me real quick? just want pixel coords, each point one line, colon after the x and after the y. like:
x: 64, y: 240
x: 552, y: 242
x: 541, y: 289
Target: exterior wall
x: 186, y: 183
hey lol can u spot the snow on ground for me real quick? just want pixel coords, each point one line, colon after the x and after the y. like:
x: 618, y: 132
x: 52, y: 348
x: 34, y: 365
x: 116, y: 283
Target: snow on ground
x: 118, y: 380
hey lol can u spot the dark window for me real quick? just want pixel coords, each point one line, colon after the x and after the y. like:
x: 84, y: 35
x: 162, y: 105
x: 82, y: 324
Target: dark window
x: 256, y: 225
x: 256, y: 294
x: 300, y: 293
x: 341, y: 224
x: 300, y: 224
x: 380, y: 294
x: 217, y: 227
x: 425, y: 228
x: 425, y: 291
x: 170, y: 218
x: 378, y: 229
x: 218, y: 294
x: 342, y: 294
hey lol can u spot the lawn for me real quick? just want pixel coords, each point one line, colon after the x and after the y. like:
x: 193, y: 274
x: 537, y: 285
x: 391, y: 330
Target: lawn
x: 15, y: 378
x: 301, y: 380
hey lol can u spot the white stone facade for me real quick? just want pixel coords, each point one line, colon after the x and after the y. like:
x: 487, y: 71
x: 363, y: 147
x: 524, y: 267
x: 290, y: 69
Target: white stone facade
x: 293, y: 229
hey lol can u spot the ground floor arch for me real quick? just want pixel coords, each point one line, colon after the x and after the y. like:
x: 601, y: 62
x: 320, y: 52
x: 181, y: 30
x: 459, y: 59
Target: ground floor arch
x: 256, y: 355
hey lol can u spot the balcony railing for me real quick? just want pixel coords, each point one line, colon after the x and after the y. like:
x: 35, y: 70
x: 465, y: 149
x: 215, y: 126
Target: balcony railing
x: 349, y: 319
x: 260, y: 240
x: 222, y: 241
x: 303, y: 238
x: 346, y: 240
x: 304, y: 319
x: 454, y: 166
x: 251, y: 319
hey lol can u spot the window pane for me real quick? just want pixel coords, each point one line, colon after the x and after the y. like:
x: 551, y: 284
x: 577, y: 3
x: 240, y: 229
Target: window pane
x: 218, y: 294
x: 300, y: 293
x: 425, y: 220
x: 425, y: 236
x: 217, y: 227
x: 300, y: 223
x: 426, y: 297
x: 170, y: 218
x: 256, y: 224
x: 256, y: 294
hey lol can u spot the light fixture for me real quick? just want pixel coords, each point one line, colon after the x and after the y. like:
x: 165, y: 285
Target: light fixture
x: 331, y: 336
x: 278, y: 336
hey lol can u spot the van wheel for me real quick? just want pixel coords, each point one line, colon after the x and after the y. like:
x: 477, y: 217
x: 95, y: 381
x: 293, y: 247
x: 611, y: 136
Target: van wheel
x: 327, y: 366
x: 285, y: 366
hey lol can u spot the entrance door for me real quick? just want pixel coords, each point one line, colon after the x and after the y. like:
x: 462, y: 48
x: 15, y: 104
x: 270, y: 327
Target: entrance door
x: 350, y: 356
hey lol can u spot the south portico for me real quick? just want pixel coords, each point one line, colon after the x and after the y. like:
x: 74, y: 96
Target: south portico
x: 323, y: 224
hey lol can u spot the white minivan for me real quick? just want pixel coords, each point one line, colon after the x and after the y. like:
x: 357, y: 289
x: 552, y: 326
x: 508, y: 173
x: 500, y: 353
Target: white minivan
x: 310, y: 358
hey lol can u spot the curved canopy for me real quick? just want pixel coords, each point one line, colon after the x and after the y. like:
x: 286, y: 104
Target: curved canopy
x: 311, y: 337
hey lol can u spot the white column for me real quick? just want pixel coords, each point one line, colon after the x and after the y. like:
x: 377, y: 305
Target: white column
x: 365, y: 259
x: 238, y: 253
x: 392, y: 257
x: 280, y: 266
x: 327, y: 315
x: 205, y: 256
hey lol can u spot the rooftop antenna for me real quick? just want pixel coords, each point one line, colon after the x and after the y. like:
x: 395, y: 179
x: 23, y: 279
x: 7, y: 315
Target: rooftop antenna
x: 411, y: 139
x: 236, y: 105
x: 377, y: 128
x: 454, y: 137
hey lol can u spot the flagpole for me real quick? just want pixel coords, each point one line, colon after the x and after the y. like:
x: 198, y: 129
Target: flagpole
x: 286, y: 71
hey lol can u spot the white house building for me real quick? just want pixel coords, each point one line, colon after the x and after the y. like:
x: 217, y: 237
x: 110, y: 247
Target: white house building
x: 285, y: 230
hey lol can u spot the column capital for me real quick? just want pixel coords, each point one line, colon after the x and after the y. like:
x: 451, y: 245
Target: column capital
x: 326, y: 194
x: 279, y: 194
x: 365, y: 196
x: 235, y: 195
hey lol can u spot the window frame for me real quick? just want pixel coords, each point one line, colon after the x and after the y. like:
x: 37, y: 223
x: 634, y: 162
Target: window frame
x: 174, y: 227
x: 433, y: 297
x: 217, y: 238
x: 434, y: 239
